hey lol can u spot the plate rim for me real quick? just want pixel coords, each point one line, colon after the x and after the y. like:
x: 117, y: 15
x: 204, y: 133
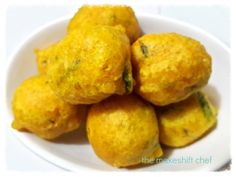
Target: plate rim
x: 46, y: 155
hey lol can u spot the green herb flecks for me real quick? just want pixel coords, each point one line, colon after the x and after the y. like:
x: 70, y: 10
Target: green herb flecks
x: 113, y: 18
x: 204, y: 105
x: 44, y: 62
x: 51, y: 121
x: 72, y: 67
x: 144, y: 49
x: 127, y: 80
x: 185, y: 131
x: 69, y: 71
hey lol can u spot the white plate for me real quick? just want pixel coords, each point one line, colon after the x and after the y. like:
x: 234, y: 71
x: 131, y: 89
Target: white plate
x: 72, y: 151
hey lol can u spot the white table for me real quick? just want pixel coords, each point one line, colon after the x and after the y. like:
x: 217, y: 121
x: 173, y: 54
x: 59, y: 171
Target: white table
x: 22, y: 20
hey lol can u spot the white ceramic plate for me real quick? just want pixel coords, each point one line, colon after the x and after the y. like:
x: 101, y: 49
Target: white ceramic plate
x: 72, y: 151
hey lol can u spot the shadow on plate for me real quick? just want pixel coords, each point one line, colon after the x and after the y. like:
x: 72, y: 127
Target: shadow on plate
x: 204, y: 135
x: 78, y: 136
x: 166, y: 154
x: 213, y: 95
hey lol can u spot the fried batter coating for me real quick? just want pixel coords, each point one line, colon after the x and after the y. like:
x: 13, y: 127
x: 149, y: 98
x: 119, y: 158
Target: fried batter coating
x: 123, y: 129
x: 169, y: 67
x: 183, y: 123
x: 38, y: 110
x: 111, y: 15
x: 90, y: 66
x: 43, y: 57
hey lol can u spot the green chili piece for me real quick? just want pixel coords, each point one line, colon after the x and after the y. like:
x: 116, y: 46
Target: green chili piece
x: 144, y: 49
x: 127, y: 80
x: 204, y: 105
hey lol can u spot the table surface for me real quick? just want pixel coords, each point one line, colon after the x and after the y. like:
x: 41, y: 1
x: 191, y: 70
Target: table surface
x: 22, y: 20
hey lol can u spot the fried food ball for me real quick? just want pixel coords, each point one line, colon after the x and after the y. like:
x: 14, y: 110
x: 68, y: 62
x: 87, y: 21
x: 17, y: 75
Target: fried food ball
x: 88, y: 68
x: 169, y: 67
x: 38, y: 110
x: 183, y: 123
x: 111, y: 15
x: 123, y: 129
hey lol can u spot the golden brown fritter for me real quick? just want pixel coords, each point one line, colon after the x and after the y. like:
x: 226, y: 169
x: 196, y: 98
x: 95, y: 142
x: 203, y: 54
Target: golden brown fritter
x: 184, y: 122
x: 123, y: 129
x: 88, y: 68
x: 169, y: 67
x: 38, y: 110
x: 111, y: 15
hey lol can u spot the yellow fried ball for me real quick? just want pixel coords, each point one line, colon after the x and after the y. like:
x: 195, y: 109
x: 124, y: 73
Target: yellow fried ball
x: 38, y: 110
x: 184, y: 122
x: 169, y: 67
x: 123, y: 129
x: 111, y: 15
x: 88, y: 68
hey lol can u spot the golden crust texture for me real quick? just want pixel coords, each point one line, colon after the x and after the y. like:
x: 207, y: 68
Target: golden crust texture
x: 123, y: 129
x: 184, y: 122
x: 111, y: 15
x: 38, y: 110
x: 89, y: 66
x: 169, y: 67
